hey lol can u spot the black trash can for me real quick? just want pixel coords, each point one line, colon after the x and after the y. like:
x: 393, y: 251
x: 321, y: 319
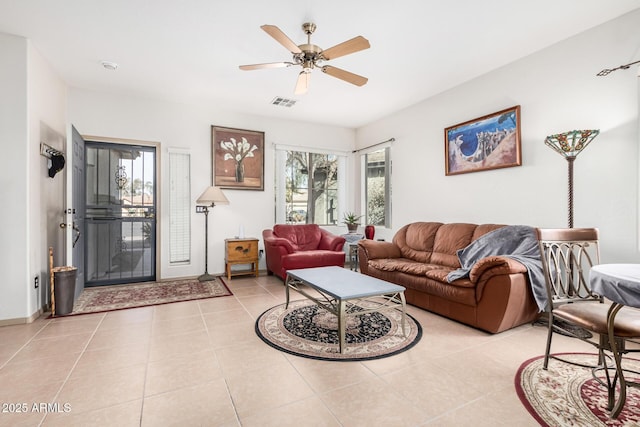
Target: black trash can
x: 64, y: 286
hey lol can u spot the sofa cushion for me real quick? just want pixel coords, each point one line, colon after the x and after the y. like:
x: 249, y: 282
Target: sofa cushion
x: 310, y: 259
x: 461, y: 294
x: 483, y: 229
x: 403, y: 265
x: 449, y: 238
x: 440, y: 274
x: 416, y: 240
x: 303, y: 237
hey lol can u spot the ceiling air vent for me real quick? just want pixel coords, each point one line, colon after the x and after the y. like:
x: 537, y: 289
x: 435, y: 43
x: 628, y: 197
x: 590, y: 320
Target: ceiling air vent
x: 283, y: 102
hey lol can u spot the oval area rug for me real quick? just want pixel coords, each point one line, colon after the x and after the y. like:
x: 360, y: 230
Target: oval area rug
x: 568, y: 395
x: 306, y: 330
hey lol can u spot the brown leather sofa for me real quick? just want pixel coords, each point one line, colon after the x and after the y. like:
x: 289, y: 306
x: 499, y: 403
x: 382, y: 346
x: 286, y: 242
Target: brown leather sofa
x: 495, y: 297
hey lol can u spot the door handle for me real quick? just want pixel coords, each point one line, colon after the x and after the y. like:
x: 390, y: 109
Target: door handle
x: 77, y: 230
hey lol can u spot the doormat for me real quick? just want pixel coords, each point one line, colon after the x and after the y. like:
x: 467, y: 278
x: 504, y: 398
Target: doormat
x: 568, y: 395
x: 307, y: 330
x: 120, y: 297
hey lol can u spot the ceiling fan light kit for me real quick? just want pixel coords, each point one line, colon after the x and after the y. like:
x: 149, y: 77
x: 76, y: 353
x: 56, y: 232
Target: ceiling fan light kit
x: 309, y: 56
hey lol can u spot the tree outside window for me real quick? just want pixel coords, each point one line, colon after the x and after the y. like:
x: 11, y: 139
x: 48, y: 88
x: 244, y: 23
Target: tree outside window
x: 311, y: 188
x: 377, y: 187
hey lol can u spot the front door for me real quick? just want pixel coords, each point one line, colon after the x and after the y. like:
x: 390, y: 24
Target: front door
x: 77, y: 211
x: 120, y: 220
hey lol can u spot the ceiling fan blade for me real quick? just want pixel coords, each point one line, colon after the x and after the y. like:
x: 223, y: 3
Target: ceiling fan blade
x: 302, y: 85
x: 281, y: 38
x: 345, y: 75
x: 268, y: 65
x: 356, y: 44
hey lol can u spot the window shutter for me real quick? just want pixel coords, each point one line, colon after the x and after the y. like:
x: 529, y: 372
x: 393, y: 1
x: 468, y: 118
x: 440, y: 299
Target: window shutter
x: 179, y: 208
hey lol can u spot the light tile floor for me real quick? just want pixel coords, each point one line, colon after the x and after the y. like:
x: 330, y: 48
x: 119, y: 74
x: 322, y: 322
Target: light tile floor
x: 200, y: 363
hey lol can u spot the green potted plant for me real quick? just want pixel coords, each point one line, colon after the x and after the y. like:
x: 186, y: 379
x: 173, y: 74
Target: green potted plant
x: 351, y: 220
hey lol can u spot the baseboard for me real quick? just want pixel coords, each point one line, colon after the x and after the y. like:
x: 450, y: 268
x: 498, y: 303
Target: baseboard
x: 21, y: 320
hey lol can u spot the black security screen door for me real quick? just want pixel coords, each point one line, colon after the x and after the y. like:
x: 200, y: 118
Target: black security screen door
x: 120, y: 213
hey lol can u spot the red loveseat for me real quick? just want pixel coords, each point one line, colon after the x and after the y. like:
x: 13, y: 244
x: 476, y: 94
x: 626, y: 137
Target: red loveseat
x: 288, y: 247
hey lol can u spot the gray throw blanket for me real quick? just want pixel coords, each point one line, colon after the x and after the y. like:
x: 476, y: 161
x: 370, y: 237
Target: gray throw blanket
x: 518, y: 242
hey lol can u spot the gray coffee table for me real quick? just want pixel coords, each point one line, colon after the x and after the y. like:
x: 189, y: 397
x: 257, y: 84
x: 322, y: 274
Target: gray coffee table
x: 345, y: 293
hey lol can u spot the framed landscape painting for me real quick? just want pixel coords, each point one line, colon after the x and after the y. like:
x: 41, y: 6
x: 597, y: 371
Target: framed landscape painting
x: 238, y: 158
x: 485, y: 143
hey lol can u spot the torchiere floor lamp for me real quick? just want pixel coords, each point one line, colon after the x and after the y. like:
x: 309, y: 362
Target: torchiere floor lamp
x: 569, y: 145
x: 212, y: 196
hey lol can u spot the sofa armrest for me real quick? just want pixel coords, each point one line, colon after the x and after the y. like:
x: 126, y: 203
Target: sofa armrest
x: 278, y: 243
x: 374, y: 249
x: 331, y: 242
x: 491, y: 266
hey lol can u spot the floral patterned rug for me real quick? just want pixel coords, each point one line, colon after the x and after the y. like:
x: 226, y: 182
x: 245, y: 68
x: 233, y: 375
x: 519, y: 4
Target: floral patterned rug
x: 118, y: 297
x: 568, y: 395
x: 306, y: 330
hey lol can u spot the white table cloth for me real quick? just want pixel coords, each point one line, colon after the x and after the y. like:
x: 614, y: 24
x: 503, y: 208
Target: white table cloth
x: 618, y: 282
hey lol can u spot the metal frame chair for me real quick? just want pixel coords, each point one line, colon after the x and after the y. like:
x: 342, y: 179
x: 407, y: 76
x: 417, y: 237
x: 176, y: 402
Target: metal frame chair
x: 567, y: 257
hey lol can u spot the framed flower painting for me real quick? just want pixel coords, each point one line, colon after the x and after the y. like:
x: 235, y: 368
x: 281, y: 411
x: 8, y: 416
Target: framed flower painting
x: 238, y: 158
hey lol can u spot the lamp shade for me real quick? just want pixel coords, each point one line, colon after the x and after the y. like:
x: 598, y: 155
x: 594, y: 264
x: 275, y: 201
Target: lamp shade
x: 212, y: 196
x: 570, y: 144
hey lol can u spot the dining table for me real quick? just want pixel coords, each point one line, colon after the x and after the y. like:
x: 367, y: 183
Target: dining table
x: 620, y: 284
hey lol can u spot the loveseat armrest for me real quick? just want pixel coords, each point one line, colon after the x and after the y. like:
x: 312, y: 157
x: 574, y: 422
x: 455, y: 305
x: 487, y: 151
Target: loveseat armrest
x: 375, y: 249
x: 331, y: 242
x: 278, y: 243
x: 493, y: 266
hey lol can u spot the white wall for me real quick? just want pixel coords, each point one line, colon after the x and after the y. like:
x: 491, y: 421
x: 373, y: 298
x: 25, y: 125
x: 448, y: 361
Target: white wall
x: 189, y: 126
x: 13, y: 177
x: 32, y: 110
x: 558, y: 91
x: 47, y: 108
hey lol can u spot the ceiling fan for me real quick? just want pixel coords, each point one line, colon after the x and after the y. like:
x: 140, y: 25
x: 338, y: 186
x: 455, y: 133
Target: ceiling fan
x: 310, y: 56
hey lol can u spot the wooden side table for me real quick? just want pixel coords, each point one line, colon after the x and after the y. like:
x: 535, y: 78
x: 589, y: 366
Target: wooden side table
x: 241, y: 251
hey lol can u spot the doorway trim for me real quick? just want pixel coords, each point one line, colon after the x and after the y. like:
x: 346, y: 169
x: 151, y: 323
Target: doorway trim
x: 158, y: 196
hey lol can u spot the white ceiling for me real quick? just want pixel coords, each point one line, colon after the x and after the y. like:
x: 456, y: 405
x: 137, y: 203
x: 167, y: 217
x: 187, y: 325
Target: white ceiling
x: 189, y: 50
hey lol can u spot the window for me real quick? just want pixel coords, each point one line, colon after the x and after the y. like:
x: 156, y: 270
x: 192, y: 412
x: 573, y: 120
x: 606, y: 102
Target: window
x: 179, y: 208
x: 377, y: 187
x: 310, y: 189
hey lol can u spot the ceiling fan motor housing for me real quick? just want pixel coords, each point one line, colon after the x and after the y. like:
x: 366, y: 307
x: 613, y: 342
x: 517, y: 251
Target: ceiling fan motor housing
x: 309, y: 56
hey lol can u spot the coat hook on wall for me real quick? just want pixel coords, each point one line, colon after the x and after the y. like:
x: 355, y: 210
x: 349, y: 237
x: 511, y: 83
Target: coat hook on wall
x: 48, y: 151
x: 56, y: 159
